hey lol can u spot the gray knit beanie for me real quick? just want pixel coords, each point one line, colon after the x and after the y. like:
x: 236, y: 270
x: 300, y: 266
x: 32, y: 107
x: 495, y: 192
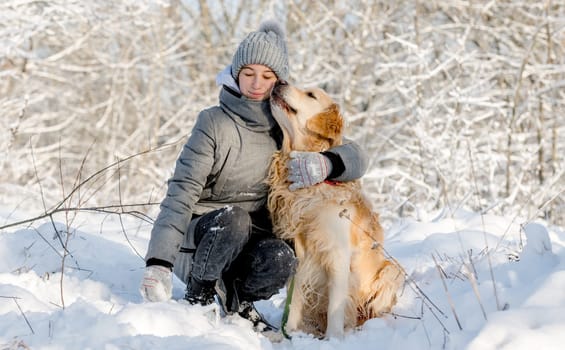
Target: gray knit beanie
x: 266, y: 46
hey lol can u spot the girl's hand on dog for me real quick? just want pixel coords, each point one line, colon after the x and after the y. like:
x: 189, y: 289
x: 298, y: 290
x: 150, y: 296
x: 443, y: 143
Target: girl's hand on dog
x: 307, y: 168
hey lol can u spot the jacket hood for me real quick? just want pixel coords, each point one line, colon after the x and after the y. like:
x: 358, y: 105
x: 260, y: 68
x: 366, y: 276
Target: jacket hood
x: 251, y: 114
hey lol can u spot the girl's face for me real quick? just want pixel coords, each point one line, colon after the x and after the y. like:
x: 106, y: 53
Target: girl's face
x: 256, y: 81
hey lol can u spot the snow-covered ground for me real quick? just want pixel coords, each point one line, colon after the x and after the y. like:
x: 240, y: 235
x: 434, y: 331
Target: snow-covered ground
x: 511, y: 298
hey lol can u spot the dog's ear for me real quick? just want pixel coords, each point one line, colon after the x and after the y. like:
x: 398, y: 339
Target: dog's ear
x: 328, y: 124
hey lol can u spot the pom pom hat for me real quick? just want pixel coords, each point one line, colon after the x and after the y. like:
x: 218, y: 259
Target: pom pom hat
x: 266, y: 46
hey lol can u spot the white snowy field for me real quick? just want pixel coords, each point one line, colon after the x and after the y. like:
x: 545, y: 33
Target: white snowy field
x: 509, y: 297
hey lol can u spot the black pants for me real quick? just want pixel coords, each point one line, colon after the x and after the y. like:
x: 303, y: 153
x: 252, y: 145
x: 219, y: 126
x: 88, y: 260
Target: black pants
x: 239, y: 250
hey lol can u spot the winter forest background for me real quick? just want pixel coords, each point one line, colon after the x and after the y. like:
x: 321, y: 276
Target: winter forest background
x: 459, y: 103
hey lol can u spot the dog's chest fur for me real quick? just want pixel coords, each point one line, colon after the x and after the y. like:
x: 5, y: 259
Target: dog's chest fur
x: 292, y: 210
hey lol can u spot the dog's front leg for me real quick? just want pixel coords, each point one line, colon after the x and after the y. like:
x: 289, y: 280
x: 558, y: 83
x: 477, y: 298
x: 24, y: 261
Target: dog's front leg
x: 296, y: 307
x: 297, y: 297
x: 338, y: 295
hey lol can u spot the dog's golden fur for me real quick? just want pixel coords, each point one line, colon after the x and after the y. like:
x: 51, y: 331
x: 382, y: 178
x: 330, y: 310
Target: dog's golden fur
x: 343, y: 277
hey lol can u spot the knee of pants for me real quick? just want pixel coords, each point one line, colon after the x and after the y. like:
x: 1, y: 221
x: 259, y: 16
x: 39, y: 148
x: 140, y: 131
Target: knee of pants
x: 232, y: 221
x: 277, y: 257
x: 268, y: 267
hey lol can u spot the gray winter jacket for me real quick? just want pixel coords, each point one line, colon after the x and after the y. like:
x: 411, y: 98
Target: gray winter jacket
x: 225, y: 162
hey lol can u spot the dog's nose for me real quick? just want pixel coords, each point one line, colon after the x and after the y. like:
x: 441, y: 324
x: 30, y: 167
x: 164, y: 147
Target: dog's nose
x: 281, y: 82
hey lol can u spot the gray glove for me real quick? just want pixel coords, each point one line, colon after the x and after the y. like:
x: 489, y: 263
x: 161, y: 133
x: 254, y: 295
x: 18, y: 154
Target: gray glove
x: 307, y: 168
x: 157, y: 284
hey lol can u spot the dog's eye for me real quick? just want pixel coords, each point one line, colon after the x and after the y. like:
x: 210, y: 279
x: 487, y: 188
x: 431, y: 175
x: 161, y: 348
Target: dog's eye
x: 311, y: 94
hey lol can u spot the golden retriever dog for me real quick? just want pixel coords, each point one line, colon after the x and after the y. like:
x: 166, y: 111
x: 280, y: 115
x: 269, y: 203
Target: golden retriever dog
x: 343, y: 277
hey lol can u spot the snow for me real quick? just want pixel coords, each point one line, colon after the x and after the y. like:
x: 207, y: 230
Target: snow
x: 502, y: 280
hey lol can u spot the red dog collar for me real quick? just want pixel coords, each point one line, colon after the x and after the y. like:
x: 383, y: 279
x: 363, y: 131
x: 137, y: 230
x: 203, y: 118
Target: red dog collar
x: 332, y: 182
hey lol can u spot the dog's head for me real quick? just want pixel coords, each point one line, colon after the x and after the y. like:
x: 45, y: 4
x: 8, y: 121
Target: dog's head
x: 309, y: 119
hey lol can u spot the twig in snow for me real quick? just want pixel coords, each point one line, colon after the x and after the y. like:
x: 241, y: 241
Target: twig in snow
x: 15, y: 299
x: 451, y: 304
x: 473, y: 280
x: 487, y: 250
